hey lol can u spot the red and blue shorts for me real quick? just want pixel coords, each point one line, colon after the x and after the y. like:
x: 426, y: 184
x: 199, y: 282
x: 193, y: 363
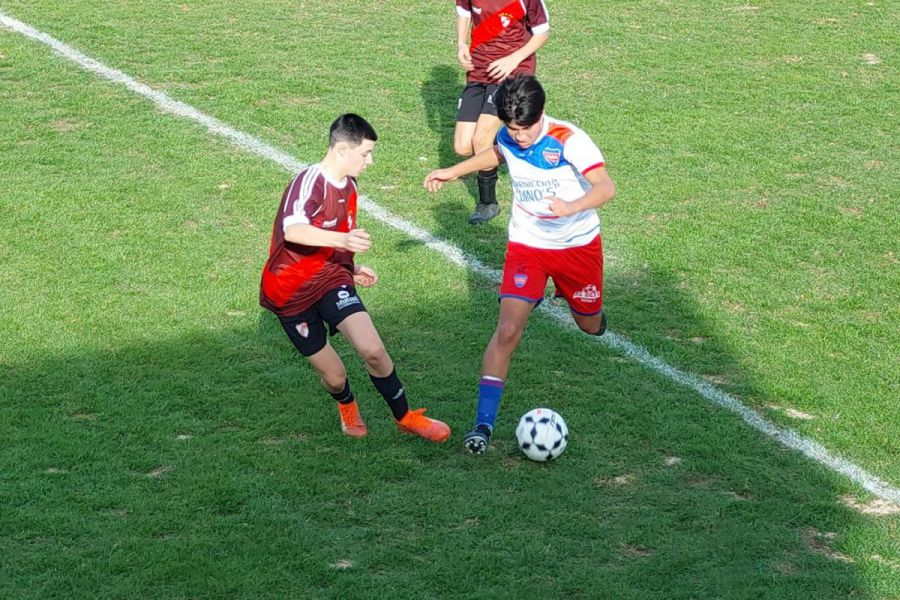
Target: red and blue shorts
x: 577, y: 274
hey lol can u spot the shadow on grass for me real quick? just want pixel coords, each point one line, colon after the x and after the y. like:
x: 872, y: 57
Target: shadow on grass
x: 211, y: 465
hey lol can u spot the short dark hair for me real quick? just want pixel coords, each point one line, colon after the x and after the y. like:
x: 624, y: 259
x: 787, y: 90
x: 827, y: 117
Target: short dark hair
x: 352, y: 129
x: 521, y: 100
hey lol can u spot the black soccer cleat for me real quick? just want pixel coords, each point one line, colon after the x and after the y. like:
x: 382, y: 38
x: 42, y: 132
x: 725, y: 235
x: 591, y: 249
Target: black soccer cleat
x: 476, y: 441
x: 484, y: 213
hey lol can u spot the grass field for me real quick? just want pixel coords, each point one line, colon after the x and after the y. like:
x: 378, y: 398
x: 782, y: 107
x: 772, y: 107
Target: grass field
x: 161, y: 439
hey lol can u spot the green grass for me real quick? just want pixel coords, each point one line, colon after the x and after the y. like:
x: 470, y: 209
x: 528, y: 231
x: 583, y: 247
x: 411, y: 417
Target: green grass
x: 161, y: 438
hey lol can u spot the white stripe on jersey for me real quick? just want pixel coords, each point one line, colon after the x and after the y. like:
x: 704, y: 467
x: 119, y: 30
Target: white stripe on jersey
x: 297, y: 214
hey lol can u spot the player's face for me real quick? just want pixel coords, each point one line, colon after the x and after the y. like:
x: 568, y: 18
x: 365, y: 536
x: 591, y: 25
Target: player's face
x: 357, y: 158
x: 525, y: 136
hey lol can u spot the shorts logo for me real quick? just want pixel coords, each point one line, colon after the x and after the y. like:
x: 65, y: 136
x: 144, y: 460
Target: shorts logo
x: 589, y: 293
x: 345, y: 300
x: 551, y: 155
x: 505, y: 20
x: 302, y: 329
x: 520, y: 279
x: 490, y: 99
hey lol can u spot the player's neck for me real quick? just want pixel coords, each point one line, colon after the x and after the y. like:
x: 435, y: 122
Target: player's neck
x: 332, y: 168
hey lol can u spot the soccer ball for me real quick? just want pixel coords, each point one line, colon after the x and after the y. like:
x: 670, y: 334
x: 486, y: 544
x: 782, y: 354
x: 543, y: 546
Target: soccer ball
x: 542, y: 434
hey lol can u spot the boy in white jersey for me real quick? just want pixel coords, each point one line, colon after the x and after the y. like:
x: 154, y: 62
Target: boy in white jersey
x: 559, y: 178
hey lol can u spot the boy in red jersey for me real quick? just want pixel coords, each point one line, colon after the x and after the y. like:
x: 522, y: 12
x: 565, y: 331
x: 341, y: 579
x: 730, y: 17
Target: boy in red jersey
x: 309, y: 279
x: 505, y: 34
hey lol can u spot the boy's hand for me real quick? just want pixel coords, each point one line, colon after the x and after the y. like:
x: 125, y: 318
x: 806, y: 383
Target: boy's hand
x: 465, y: 58
x: 437, y: 178
x: 502, y: 67
x: 357, y: 240
x: 364, y: 277
x: 560, y: 207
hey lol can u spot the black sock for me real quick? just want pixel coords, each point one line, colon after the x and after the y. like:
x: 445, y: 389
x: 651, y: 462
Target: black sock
x: 487, y: 186
x: 392, y: 391
x: 345, y: 396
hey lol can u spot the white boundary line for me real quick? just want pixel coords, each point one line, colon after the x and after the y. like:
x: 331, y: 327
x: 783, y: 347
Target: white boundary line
x: 787, y: 437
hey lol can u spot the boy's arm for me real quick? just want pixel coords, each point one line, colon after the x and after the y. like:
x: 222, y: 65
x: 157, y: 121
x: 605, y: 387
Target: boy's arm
x: 483, y: 161
x: 502, y: 67
x: 463, y: 24
x: 601, y: 191
x: 355, y: 240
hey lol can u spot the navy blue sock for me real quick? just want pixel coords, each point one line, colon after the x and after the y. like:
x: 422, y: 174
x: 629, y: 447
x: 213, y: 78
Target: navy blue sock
x: 490, y: 389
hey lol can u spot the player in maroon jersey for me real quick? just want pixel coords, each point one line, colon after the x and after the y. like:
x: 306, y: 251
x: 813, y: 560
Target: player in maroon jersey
x: 504, y: 36
x: 309, y: 279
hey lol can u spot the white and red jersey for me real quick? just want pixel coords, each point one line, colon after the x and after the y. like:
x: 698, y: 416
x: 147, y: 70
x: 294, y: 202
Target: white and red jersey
x: 296, y: 276
x: 554, y: 165
x: 499, y: 28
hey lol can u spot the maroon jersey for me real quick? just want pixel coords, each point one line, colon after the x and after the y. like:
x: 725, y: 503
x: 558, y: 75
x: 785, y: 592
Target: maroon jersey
x: 296, y: 276
x: 499, y: 28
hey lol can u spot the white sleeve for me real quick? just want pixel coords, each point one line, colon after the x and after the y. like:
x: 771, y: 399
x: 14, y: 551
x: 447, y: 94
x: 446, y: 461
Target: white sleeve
x: 582, y: 152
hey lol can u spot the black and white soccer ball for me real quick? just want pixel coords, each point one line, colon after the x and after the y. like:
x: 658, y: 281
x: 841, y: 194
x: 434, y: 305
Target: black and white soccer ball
x: 542, y: 434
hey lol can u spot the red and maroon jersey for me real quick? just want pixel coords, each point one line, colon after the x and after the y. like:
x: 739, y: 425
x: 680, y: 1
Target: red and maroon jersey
x: 499, y: 28
x: 296, y: 276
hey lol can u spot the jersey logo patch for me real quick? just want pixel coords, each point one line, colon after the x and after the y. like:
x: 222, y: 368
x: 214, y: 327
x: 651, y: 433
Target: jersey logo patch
x: 589, y: 293
x: 551, y: 155
x: 345, y: 299
x: 302, y: 329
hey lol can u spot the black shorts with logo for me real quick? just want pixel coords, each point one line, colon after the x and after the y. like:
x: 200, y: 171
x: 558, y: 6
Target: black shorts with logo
x: 476, y: 99
x: 307, y: 330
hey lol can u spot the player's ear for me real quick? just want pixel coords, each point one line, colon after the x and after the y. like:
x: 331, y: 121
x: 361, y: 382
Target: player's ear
x: 342, y: 148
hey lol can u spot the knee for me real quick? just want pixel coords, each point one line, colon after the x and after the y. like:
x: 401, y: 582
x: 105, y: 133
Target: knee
x: 508, y: 334
x: 374, y: 355
x: 482, y: 142
x: 594, y: 327
x: 462, y: 148
x: 334, y: 381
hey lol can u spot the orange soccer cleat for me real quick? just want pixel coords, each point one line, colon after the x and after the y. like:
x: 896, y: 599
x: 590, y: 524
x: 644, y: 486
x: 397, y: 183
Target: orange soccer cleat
x: 416, y: 423
x: 351, y: 421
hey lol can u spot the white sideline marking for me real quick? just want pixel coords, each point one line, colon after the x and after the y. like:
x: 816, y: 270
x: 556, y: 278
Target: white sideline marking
x: 787, y: 437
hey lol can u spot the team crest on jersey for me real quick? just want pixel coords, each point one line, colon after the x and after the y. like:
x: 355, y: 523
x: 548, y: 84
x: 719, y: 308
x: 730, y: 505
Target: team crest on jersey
x: 302, y: 329
x: 551, y: 155
x: 588, y: 293
x: 520, y: 279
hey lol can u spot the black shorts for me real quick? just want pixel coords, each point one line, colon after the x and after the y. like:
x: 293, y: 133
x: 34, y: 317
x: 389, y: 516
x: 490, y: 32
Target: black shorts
x: 476, y: 99
x: 307, y: 330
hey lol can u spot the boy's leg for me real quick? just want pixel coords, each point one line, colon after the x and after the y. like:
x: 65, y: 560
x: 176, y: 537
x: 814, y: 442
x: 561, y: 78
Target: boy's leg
x: 333, y: 375
x: 483, y: 138
x: 476, y: 128
x: 514, y: 313
x: 361, y: 333
x: 592, y: 324
x: 307, y: 332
